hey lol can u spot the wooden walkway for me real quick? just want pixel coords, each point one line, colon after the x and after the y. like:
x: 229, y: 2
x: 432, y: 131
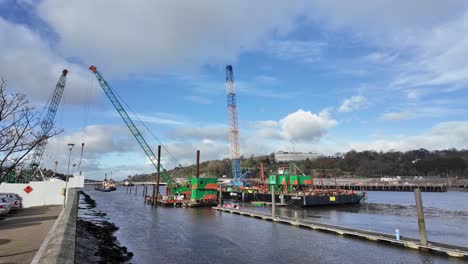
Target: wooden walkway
x: 450, y: 250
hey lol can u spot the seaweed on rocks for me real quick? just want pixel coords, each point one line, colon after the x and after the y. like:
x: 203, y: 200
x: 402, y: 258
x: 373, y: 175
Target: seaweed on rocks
x: 88, y: 200
x: 96, y: 242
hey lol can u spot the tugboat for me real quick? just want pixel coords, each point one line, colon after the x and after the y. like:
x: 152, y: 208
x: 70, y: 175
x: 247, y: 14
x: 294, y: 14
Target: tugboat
x: 107, y: 185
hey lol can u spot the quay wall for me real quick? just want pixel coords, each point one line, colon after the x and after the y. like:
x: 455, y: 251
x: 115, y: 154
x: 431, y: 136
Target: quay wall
x: 42, y: 192
x: 60, y: 244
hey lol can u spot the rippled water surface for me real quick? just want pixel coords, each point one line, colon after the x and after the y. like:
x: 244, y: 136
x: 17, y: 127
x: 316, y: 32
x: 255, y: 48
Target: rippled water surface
x: 168, y: 235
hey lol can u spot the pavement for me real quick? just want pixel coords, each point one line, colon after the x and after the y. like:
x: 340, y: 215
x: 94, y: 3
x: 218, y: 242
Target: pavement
x: 22, y: 233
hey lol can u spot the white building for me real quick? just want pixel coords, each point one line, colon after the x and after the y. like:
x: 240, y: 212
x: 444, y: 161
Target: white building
x: 282, y: 156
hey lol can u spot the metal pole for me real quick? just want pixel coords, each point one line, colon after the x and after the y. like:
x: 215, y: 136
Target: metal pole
x: 421, y: 222
x: 197, y: 173
x: 153, y: 202
x: 273, y: 205
x: 220, y: 196
x: 65, y: 199
x: 155, y: 198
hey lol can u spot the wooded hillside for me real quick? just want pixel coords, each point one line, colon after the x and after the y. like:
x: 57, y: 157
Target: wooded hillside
x: 421, y: 162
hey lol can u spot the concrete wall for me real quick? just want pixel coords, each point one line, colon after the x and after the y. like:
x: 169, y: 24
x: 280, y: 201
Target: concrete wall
x: 43, y: 192
x: 60, y: 244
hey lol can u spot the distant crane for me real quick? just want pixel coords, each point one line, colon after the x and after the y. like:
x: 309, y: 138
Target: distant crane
x: 133, y: 129
x: 237, y: 175
x: 47, y: 124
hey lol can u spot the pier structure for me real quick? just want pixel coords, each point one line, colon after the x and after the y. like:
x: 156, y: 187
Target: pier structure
x: 406, y: 242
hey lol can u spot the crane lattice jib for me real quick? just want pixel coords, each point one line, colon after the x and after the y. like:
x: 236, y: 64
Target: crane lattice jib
x: 233, y: 125
x: 48, y: 121
x: 133, y: 129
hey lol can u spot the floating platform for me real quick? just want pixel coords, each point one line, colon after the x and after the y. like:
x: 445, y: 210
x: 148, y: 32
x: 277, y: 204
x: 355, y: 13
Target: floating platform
x: 267, y: 204
x: 389, y: 187
x: 411, y: 243
x: 301, y: 199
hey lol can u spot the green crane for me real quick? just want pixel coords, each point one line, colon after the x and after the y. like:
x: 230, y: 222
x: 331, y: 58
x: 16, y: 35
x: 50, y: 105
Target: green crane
x: 46, y: 124
x: 134, y: 130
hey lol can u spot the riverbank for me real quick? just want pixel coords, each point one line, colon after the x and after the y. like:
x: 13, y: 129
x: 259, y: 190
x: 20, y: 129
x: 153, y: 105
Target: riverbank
x: 95, y: 240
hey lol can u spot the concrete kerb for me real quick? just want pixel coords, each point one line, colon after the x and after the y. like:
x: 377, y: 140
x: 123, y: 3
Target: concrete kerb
x: 59, y: 246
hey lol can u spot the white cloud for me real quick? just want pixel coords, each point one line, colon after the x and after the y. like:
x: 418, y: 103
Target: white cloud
x: 30, y: 67
x: 307, y: 51
x: 440, y: 58
x: 380, y: 57
x: 146, y: 35
x: 187, y: 133
x: 353, y: 103
x: 386, y: 22
x: 441, y: 136
x: 198, y: 99
x: 100, y: 142
x: 155, y: 118
x: 185, y: 152
x: 305, y: 125
x: 395, y: 116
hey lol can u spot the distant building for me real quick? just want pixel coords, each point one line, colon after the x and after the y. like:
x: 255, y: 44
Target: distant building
x: 282, y: 156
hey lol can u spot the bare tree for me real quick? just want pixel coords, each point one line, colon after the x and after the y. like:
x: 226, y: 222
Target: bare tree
x: 19, y: 130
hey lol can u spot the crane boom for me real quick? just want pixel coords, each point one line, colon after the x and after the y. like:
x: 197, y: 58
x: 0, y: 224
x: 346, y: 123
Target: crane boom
x: 133, y: 129
x: 48, y: 121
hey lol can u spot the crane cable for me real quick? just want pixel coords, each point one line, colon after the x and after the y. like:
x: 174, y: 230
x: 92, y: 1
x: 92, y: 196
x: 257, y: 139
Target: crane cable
x: 146, y: 127
x: 85, y: 119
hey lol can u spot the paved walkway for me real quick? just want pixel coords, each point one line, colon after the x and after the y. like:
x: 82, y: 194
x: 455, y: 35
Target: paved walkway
x: 22, y: 233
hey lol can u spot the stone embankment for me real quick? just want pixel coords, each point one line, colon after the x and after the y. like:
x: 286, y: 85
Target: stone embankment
x: 81, y: 234
x: 95, y: 240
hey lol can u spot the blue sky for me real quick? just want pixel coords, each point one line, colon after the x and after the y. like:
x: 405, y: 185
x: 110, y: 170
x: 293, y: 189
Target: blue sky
x: 320, y: 76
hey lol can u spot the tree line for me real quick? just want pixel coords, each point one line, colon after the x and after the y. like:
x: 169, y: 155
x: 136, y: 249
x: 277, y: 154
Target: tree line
x: 421, y: 162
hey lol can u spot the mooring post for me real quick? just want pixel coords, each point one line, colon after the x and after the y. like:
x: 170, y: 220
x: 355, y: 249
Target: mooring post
x: 197, y: 167
x: 421, y: 222
x: 220, y: 196
x: 273, y: 209
x: 158, y: 177
x: 136, y: 190
x: 131, y: 189
x: 153, y: 202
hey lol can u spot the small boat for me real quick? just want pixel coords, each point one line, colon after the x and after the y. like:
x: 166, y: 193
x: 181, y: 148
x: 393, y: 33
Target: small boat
x: 107, y: 185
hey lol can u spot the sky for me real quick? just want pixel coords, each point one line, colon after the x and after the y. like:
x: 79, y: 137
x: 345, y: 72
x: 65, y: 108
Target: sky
x: 322, y: 76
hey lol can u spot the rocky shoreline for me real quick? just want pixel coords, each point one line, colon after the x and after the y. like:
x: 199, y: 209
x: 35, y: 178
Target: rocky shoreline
x: 95, y: 240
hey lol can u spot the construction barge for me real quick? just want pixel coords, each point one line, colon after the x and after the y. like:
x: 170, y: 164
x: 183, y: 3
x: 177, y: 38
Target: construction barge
x: 301, y: 199
x: 292, y: 190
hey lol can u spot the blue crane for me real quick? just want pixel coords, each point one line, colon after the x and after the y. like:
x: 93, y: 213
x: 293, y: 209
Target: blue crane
x: 238, y: 177
x: 133, y: 129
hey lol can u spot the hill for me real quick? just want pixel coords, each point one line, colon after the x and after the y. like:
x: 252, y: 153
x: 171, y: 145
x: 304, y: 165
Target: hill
x: 421, y: 162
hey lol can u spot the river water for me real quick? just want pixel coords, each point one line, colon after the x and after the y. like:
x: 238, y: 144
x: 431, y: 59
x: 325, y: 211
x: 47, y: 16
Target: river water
x: 183, y: 235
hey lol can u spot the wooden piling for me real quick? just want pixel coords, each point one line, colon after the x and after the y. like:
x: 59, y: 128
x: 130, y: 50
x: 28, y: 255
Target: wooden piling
x: 197, y: 171
x: 220, y: 196
x: 131, y: 189
x: 273, y: 204
x: 153, y: 202
x: 421, y: 222
x: 136, y: 190
x: 155, y: 198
